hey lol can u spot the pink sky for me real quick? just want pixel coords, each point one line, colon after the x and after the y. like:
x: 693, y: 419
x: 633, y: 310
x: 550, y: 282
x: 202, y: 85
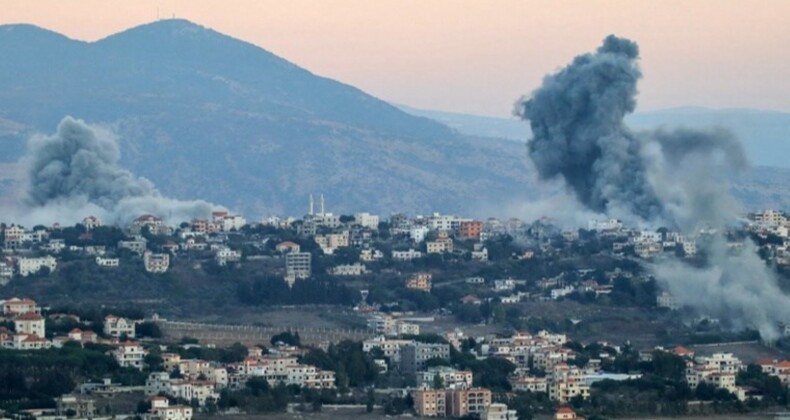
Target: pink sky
x: 479, y: 56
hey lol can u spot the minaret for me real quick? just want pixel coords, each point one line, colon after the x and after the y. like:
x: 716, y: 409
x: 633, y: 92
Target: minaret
x: 323, y: 213
x: 311, y: 204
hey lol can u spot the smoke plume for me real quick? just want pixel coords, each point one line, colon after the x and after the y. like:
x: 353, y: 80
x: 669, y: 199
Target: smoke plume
x: 76, y: 172
x: 659, y: 178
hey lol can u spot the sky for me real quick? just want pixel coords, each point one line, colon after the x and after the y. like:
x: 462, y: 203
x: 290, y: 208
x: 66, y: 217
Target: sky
x: 479, y: 56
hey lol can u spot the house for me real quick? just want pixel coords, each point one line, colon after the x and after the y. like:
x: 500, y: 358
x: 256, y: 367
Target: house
x: 287, y: 246
x: 30, y: 323
x: 470, y: 230
x: 225, y: 255
x: 16, y: 306
x: 162, y: 410
x: 129, y: 354
x: 566, y: 382
x: 137, y: 246
x: 119, y: 326
x: 565, y: 413
x: 462, y: 402
x: 442, y: 244
x: 156, y: 263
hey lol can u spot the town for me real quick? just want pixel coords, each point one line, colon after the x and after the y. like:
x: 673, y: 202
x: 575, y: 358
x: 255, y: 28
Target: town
x: 438, y: 315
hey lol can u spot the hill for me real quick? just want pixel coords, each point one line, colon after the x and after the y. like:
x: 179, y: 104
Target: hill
x: 209, y: 116
x: 204, y: 115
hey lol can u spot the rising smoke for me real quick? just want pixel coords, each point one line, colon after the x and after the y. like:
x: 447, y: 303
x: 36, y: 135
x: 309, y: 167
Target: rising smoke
x: 660, y: 178
x: 76, y: 172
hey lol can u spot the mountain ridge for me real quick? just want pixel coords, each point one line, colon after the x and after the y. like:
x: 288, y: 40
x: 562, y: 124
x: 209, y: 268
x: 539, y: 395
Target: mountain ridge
x: 227, y: 121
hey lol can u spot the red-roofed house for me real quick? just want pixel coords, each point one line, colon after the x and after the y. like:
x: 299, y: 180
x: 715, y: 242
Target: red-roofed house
x: 565, y: 413
x: 30, y: 323
x: 16, y: 306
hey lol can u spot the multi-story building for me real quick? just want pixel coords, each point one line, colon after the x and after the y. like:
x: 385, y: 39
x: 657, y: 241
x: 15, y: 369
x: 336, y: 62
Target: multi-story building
x: 297, y: 266
x: 391, y: 348
x: 28, y: 266
x: 156, y: 263
x: 566, y: 382
x: 463, y: 402
x: 470, y: 230
x: 107, y: 262
x: 420, y: 281
x: 91, y: 222
x: 430, y: 402
x: 413, y: 356
x: 355, y: 269
x: 129, y: 354
x: 370, y: 221
x: 718, y: 370
x: 449, y: 377
x: 30, y: 323
x: 16, y: 306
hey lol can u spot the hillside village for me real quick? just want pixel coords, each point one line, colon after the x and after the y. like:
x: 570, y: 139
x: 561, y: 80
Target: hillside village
x: 399, y: 274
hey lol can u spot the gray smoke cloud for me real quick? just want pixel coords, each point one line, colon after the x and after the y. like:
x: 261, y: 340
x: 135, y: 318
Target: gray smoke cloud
x: 673, y: 178
x: 76, y: 172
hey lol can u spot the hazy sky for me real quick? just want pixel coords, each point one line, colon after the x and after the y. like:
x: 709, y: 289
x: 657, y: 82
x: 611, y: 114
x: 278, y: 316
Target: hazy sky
x: 479, y: 56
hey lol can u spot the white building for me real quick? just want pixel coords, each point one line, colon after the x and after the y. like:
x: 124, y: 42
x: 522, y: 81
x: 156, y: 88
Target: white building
x: 156, y: 263
x: 418, y: 234
x: 30, y: 323
x: 406, y: 255
x: 297, y: 266
x: 162, y: 410
x: 107, y: 262
x: 224, y: 255
x: 118, y: 326
x: 29, y: 266
x: 356, y: 269
x: 129, y: 354
x: 367, y: 220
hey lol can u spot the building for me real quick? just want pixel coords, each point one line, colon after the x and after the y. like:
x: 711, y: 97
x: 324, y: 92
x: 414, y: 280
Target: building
x: 566, y: 382
x: 420, y: 281
x: 107, y: 262
x: 137, y: 246
x: 565, y: 413
x: 16, y: 306
x: 156, y: 263
x: 719, y: 370
x: 430, y: 402
x: 225, y: 255
x: 666, y: 300
x: 498, y: 411
x: 129, y: 354
x: 442, y: 244
x: 413, y: 356
x: 449, y: 377
x: 406, y: 255
x: 367, y: 220
x: 30, y: 323
x: 356, y: 269
x: 117, y: 326
x: 297, y: 266
x: 80, y: 406
x: 91, y: 222
x: 287, y: 246
x: 162, y: 410
x: 463, y: 402
x: 470, y: 230
x: 28, y: 266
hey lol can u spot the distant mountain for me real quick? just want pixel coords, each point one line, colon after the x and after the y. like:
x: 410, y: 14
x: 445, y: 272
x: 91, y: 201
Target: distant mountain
x: 209, y: 116
x: 765, y: 134
x: 476, y: 125
x: 204, y: 115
